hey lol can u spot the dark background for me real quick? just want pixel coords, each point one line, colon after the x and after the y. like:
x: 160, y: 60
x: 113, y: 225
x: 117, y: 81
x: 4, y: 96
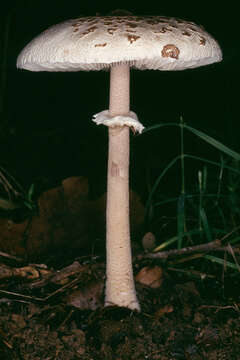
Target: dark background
x: 46, y: 128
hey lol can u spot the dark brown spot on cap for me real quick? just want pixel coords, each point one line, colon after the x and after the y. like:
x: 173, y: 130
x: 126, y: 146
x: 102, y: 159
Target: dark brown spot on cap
x: 192, y: 28
x: 89, y: 30
x: 89, y: 19
x: 186, y: 33
x: 92, y: 29
x: 202, y: 40
x: 108, y: 23
x: 131, y: 31
x: 132, y: 38
x: 131, y: 25
x: 93, y: 22
x: 111, y: 30
x: 171, y: 51
x: 101, y: 45
x: 164, y: 29
x: 119, y: 20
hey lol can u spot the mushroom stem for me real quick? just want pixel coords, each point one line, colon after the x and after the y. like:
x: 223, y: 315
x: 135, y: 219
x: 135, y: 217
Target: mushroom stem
x: 120, y: 288
x: 119, y: 101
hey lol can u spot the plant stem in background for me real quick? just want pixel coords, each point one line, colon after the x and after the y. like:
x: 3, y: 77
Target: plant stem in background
x: 220, y: 178
x: 182, y: 156
x: 180, y: 219
x: 181, y: 201
x: 200, y: 199
x: 202, y: 184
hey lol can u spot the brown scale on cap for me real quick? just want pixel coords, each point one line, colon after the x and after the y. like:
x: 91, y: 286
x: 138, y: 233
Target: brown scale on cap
x: 108, y: 23
x: 130, y: 31
x: 186, y: 33
x: 91, y: 21
x: 173, y: 26
x: 111, y: 30
x: 132, y: 38
x: 202, y: 40
x: 94, y: 22
x: 119, y: 20
x: 86, y: 19
x: 100, y: 45
x: 192, y: 28
x: 171, y: 51
x: 131, y: 25
x: 88, y: 31
x: 76, y: 26
x: 164, y: 29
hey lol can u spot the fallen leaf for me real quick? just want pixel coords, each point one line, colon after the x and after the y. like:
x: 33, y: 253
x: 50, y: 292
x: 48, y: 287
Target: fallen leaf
x: 88, y: 297
x: 150, y: 276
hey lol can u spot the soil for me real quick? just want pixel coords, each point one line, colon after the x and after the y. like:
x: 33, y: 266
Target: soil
x: 180, y: 319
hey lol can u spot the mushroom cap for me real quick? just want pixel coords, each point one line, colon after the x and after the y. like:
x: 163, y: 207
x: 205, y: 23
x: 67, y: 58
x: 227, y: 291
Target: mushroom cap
x: 95, y: 43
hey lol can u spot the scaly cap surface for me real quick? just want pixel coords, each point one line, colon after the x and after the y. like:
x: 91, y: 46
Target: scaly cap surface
x: 95, y: 43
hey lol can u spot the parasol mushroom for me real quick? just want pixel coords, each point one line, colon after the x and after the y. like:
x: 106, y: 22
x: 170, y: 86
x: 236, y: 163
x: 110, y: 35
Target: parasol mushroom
x: 118, y: 43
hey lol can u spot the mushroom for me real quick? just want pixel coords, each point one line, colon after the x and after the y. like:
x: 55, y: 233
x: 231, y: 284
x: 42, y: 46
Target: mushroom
x: 118, y: 43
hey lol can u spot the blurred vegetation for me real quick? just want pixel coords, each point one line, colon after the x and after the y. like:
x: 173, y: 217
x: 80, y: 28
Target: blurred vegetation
x: 207, y: 206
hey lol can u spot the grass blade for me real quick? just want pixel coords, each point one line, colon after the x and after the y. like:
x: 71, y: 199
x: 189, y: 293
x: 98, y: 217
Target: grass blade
x: 217, y: 144
x: 173, y: 239
x: 221, y: 261
x: 180, y: 219
x: 204, y: 222
x: 158, y: 126
x: 155, y: 186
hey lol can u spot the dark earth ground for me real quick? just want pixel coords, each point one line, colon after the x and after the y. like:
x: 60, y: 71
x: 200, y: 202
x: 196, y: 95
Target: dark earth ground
x: 183, y: 318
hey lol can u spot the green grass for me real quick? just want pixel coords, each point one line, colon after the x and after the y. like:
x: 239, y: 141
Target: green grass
x: 14, y: 194
x: 210, y: 210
